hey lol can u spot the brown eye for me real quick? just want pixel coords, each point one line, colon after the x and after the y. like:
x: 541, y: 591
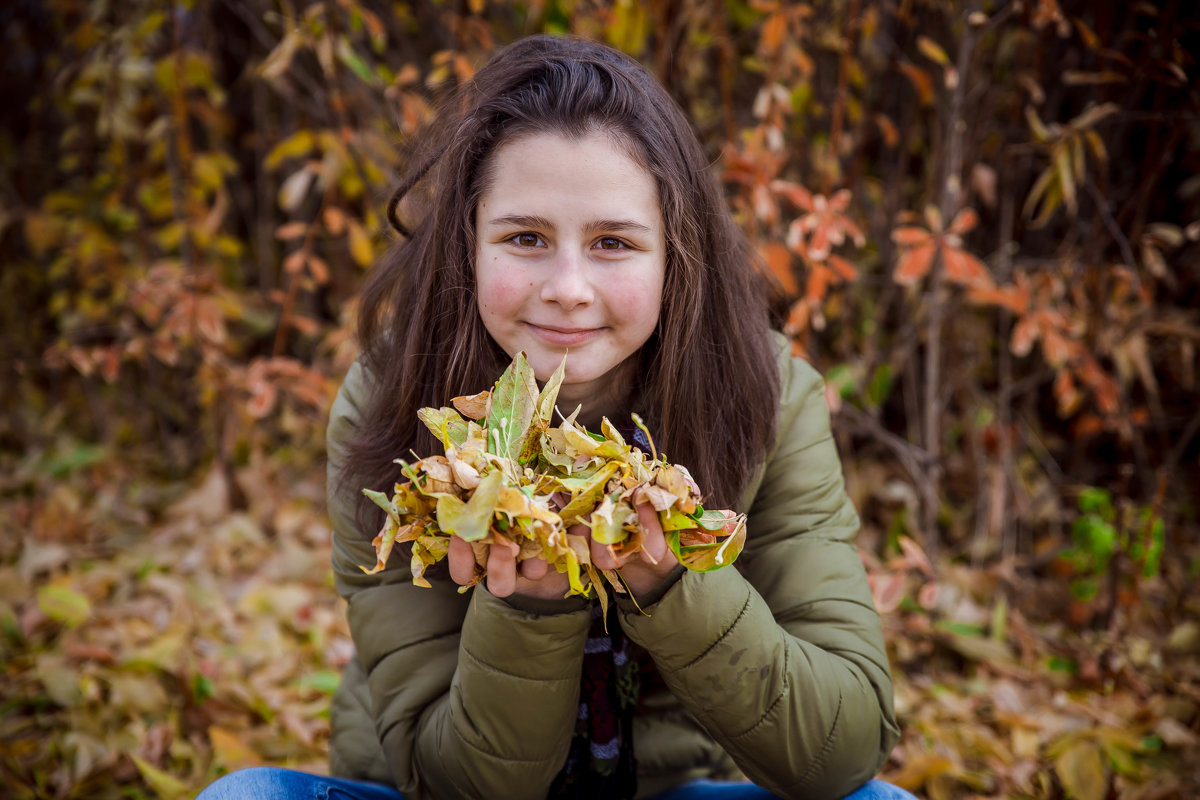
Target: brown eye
x: 527, y: 239
x: 610, y: 243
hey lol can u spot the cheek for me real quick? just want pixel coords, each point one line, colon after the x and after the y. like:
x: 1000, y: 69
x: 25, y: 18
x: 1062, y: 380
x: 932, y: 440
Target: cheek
x: 641, y: 302
x: 499, y: 291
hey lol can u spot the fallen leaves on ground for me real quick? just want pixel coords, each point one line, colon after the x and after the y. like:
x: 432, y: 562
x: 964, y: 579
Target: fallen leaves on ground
x: 151, y: 641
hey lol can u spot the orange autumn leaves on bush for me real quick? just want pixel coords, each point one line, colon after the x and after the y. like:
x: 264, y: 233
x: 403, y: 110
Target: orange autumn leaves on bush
x: 509, y: 477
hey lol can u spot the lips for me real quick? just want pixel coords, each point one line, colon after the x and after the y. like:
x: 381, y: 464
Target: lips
x: 563, y: 336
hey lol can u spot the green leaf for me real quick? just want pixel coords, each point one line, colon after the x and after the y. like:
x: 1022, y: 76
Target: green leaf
x: 1093, y: 500
x: 354, y: 61
x: 446, y: 424
x: 513, y: 403
x: 380, y: 499
x: 709, y: 557
x: 63, y: 604
x: 325, y: 680
x: 880, y: 386
x: 710, y: 520
x: 675, y: 520
x: 959, y: 628
x: 202, y: 688
x: 470, y: 520
x: 62, y: 464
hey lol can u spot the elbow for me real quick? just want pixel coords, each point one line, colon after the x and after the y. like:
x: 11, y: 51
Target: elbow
x: 855, y: 749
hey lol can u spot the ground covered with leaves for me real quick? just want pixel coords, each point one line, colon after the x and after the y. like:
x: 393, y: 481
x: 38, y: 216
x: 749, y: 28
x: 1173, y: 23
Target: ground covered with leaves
x: 155, y: 636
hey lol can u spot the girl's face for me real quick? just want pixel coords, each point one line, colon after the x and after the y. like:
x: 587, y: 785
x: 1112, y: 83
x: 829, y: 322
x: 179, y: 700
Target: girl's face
x: 570, y: 258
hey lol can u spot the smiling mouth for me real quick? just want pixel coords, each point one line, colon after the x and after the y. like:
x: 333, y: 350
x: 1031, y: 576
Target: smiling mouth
x: 563, y: 336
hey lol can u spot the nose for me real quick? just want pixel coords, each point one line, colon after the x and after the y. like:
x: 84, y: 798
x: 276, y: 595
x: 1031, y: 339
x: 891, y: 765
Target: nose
x: 568, y: 283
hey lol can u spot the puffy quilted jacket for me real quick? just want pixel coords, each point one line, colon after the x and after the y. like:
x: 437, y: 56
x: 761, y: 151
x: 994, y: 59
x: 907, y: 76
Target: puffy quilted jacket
x: 775, y: 669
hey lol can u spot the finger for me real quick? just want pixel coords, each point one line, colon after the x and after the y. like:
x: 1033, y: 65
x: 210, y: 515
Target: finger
x: 654, y: 546
x: 534, y: 569
x: 501, y: 571
x: 603, y: 556
x: 462, y: 561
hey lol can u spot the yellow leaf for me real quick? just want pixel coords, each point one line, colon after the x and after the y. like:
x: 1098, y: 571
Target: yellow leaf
x: 297, y: 145
x: 231, y: 750
x: 1081, y: 771
x: 629, y: 26
x: 932, y: 50
x: 1066, y: 181
x: 165, y: 785
x: 361, y: 249
x: 1036, y: 125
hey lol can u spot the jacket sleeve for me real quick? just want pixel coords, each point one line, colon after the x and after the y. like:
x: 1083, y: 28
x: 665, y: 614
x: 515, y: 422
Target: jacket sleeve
x: 782, y: 660
x: 471, y: 696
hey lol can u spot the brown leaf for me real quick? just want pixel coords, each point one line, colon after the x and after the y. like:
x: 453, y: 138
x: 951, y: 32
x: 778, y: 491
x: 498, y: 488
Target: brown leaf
x: 473, y: 406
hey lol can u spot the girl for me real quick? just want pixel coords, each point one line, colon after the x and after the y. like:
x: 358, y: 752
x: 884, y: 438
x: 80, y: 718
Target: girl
x: 563, y: 203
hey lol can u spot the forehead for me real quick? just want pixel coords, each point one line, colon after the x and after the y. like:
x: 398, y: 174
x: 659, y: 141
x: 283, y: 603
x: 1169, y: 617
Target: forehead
x: 559, y: 173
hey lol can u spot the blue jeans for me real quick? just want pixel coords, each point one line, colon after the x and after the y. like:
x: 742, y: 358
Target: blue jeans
x: 273, y: 783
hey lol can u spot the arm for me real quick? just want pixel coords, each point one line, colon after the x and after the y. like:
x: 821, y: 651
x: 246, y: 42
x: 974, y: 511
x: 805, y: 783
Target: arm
x: 471, y: 696
x: 783, y: 662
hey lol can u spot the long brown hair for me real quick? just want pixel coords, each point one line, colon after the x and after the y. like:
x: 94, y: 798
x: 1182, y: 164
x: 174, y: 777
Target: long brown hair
x: 708, y: 379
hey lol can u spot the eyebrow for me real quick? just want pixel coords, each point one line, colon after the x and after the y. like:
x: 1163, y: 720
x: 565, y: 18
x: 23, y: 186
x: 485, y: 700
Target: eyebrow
x: 595, y: 226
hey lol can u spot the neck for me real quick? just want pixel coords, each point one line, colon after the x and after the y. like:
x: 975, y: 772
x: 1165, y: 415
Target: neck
x: 608, y: 397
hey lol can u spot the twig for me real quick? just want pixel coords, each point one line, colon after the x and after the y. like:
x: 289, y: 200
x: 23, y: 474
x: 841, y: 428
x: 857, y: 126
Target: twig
x: 1111, y: 224
x: 839, y: 98
x: 915, y: 460
x: 951, y: 200
x: 1181, y: 445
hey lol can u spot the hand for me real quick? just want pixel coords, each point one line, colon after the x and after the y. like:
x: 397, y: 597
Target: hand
x: 533, y: 578
x: 648, y: 567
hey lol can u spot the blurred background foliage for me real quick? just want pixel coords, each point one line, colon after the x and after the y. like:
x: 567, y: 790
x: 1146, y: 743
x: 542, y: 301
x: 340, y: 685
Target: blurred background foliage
x: 982, y: 220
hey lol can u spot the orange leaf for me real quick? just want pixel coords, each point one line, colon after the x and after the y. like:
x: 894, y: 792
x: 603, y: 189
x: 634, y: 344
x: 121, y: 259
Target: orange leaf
x: 845, y: 270
x: 964, y: 268
x: 318, y: 268
x: 963, y: 221
x: 794, y: 192
x: 818, y: 283
x: 294, y: 262
x: 914, y: 265
x: 887, y: 129
x: 1024, y: 334
x: 909, y: 236
x: 773, y: 32
x: 920, y: 81
x: 335, y: 220
x: 915, y: 555
x: 291, y: 230
x: 1014, y: 298
x: 779, y: 262
x: 1055, y: 347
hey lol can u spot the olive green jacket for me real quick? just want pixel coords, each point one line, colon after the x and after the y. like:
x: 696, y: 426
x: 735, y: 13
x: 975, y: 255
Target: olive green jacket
x: 775, y: 668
